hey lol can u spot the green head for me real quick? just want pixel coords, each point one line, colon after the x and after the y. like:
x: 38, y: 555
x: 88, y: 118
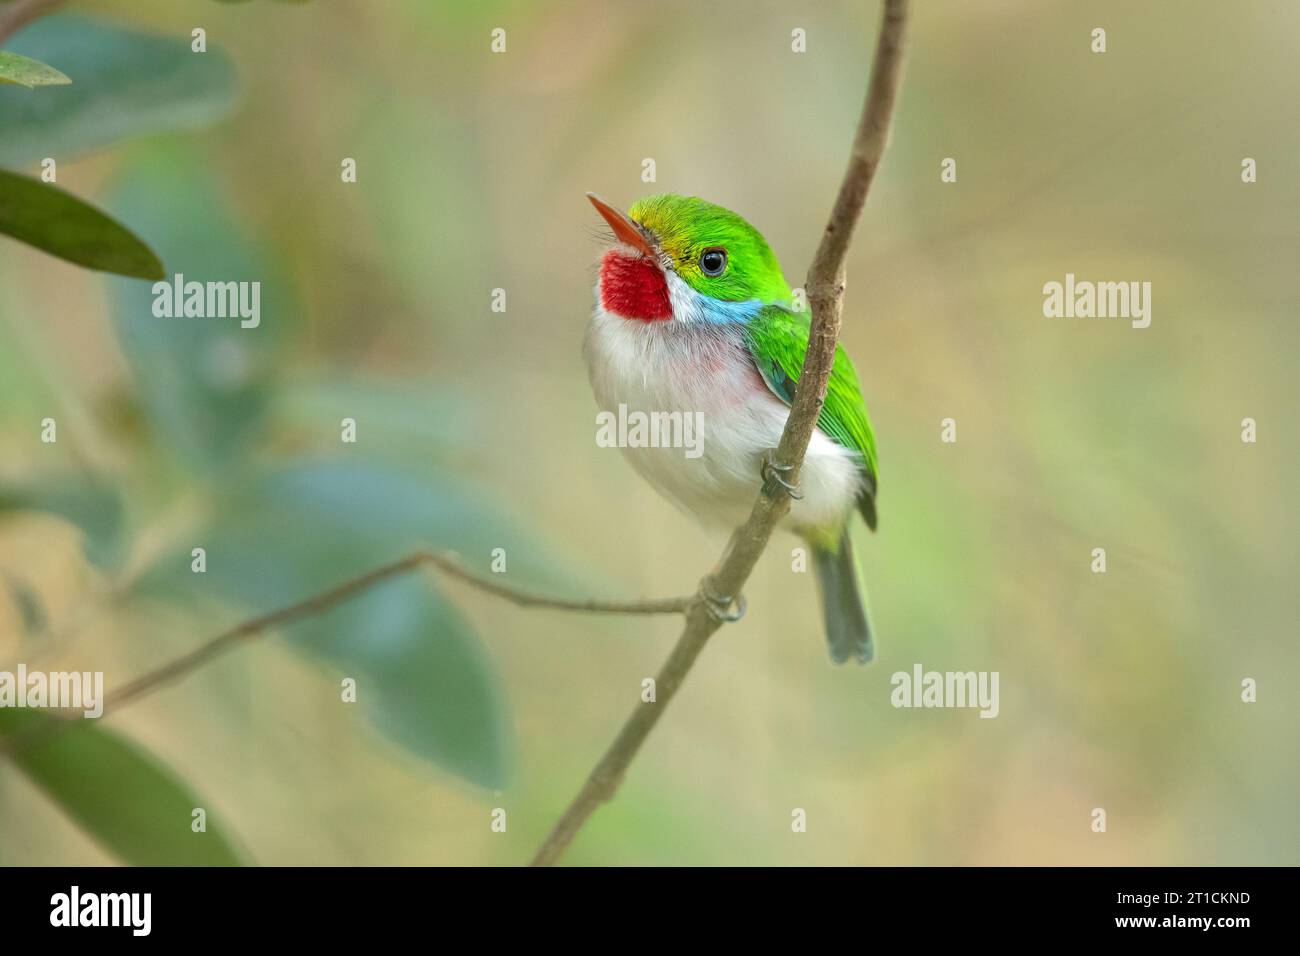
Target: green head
x: 713, y: 251
x: 716, y: 252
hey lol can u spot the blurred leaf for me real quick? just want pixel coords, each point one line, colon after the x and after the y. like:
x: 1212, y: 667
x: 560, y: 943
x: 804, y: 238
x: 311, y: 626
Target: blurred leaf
x: 447, y: 214
x: 94, y: 506
x: 396, y: 510
x: 57, y: 222
x: 128, y: 84
x: 119, y: 793
x: 27, y: 72
x: 402, y: 421
x: 26, y: 387
x: 204, y: 382
x: 422, y: 677
x: 421, y: 672
x: 30, y: 606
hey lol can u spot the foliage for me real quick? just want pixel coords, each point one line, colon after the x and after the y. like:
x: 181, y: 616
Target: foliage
x: 214, y: 414
x: 122, y: 795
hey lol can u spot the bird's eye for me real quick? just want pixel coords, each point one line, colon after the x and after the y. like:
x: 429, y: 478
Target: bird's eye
x: 713, y: 262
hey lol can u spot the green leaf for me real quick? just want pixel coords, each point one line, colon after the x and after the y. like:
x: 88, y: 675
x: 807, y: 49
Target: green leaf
x: 128, y: 84
x: 404, y: 420
x: 205, y: 383
x: 400, y: 509
x: 92, y: 505
x: 27, y: 72
x: 422, y: 675
x: 118, y: 792
x: 44, y: 216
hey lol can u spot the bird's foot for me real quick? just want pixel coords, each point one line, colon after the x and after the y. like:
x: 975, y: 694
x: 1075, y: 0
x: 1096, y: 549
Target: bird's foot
x: 719, y: 605
x: 773, y: 473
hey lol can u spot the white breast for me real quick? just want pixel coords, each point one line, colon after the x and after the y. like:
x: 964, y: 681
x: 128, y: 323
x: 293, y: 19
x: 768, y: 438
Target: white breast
x: 688, y: 367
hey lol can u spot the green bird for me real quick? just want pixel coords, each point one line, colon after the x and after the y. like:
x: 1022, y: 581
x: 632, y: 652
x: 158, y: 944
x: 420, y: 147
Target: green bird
x: 693, y: 316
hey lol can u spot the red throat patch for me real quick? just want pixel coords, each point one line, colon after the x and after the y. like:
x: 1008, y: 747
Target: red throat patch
x: 634, y: 288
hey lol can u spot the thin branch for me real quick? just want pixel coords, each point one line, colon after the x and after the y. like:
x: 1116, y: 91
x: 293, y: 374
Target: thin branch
x: 825, y: 287
x: 324, y: 601
x: 16, y: 15
x: 449, y: 565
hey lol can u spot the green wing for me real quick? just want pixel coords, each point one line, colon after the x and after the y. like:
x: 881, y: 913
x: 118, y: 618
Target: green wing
x: 777, y: 341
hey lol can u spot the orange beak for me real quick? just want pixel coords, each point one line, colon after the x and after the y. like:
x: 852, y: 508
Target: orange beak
x: 624, y: 228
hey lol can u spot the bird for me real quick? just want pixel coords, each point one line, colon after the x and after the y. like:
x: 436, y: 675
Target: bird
x: 692, y: 315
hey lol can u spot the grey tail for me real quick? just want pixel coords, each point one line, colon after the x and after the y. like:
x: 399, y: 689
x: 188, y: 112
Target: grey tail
x: 847, y: 629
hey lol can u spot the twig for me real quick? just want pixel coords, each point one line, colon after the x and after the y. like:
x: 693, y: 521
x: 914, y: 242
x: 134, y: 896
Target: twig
x: 348, y: 589
x: 319, y: 603
x: 448, y: 564
x: 16, y: 15
x: 825, y: 294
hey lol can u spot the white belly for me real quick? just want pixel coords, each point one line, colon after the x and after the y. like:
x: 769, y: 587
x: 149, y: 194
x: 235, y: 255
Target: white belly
x: 669, y: 366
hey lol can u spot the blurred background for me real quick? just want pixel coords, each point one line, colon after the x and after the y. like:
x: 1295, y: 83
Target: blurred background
x: 475, y: 431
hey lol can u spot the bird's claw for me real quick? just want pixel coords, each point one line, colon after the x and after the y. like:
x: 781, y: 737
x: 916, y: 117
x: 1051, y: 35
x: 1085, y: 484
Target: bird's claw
x: 719, y: 606
x: 773, y: 471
